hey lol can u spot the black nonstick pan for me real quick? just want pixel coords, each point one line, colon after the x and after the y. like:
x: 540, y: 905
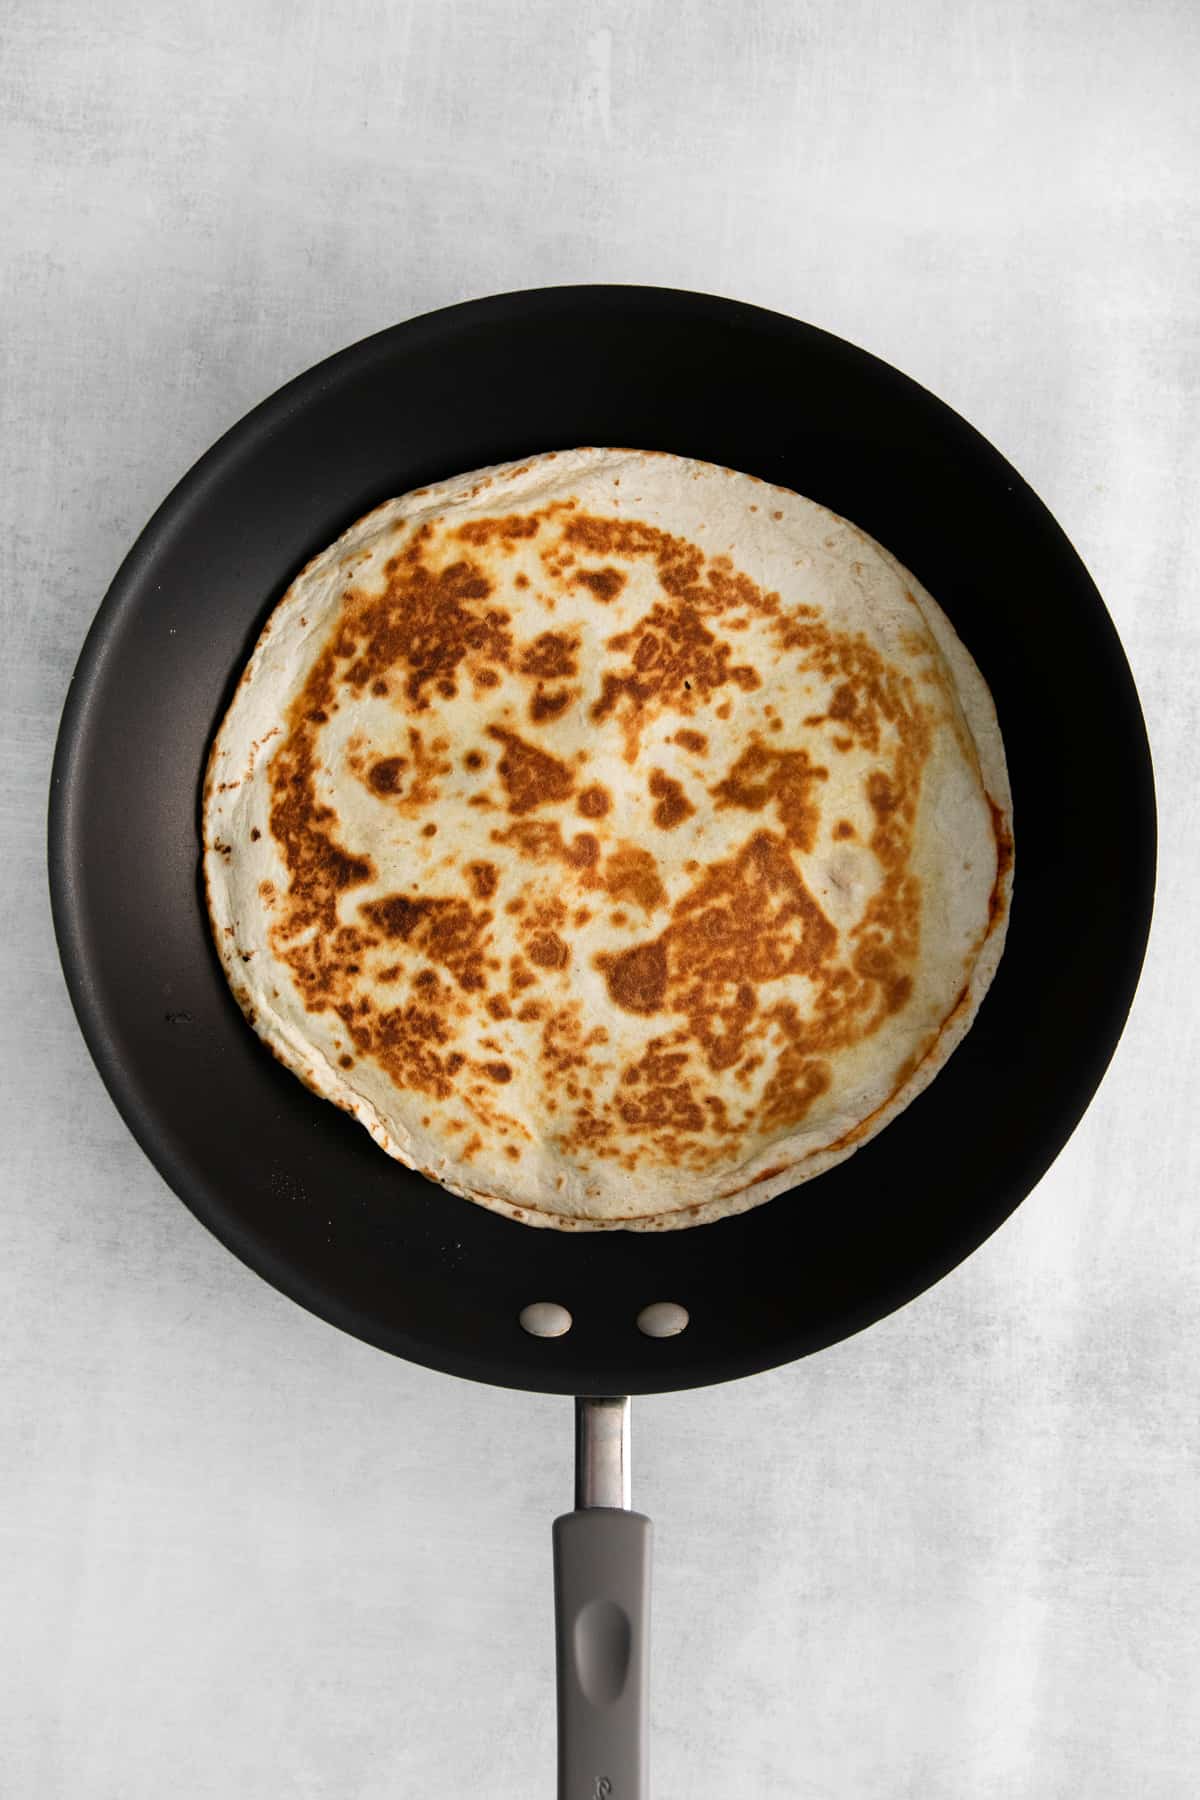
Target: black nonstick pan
x: 295, y: 1187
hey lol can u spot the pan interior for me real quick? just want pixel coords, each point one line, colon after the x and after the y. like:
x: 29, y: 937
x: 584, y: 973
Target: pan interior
x: 295, y: 1188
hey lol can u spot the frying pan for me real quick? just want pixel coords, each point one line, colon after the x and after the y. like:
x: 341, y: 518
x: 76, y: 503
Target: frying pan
x: 295, y: 1187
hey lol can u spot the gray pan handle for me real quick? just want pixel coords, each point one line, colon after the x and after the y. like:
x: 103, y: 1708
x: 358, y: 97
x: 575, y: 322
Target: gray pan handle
x: 602, y: 1618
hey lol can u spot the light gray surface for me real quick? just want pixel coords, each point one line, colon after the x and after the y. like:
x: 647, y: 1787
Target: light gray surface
x: 243, y: 1555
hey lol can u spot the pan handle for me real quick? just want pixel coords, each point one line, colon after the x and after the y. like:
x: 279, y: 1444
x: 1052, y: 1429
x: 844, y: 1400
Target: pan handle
x: 602, y: 1617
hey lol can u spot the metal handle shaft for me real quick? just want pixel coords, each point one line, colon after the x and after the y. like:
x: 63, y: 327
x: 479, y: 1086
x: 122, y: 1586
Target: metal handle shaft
x: 602, y: 1452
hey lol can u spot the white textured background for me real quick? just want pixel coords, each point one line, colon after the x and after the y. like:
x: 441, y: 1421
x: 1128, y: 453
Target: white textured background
x: 243, y: 1557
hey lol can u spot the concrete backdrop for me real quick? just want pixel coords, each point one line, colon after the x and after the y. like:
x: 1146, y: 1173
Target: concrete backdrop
x: 243, y: 1555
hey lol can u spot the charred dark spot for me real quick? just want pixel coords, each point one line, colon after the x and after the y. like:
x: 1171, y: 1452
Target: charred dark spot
x: 384, y: 776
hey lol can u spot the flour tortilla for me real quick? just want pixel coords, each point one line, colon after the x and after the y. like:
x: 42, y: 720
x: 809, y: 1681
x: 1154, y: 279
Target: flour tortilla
x: 621, y: 839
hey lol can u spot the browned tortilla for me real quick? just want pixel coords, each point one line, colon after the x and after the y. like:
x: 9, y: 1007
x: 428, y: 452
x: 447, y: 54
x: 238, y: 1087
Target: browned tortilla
x: 623, y: 840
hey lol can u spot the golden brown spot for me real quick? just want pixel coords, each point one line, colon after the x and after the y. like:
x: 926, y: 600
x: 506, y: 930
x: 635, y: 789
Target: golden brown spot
x: 584, y: 851
x: 498, y: 1007
x: 748, y: 920
x: 426, y: 620
x: 660, y: 1096
x: 691, y: 740
x: 255, y: 834
x: 880, y: 794
x: 498, y: 1071
x: 507, y: 530
x: 487, y: 678
x: 637, y: 978
x: 520, y: 580
x: 673, y: 659
x: 548, y: 951
x: 604, y: 584
x: 548, y: 704
x: 429, y: 830
x: 407, y: 1042
x: 787, y: 777
x: 552, y: 656
x: 535, y: 839
x: 594, y: 802
x: 796, y: 1081
x: 384, y: 777
x: 521, y: 975
x: 484, y: 878
x: 321, y: 870
x: 631, y: 873
x: 673, y: 804
x: 511, y: 1151
x: 680, y: 565
x: 446, y: 930
x: 843, y: 829
x: 532, y: 777
x: 474, y: 759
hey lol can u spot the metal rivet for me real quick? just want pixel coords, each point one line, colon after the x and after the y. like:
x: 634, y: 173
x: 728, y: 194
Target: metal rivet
x: 663, y: 1319
x: 545, y: 1318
